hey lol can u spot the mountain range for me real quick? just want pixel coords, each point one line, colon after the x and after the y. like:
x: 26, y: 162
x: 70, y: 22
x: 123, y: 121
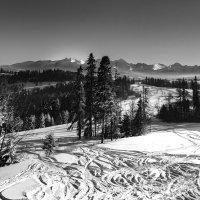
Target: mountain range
x: 139, y: 70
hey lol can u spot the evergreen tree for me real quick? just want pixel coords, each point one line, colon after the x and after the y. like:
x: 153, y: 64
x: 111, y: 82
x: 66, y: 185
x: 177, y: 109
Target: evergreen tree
x: 25, y: 123
x: 90, y: 90
x: 42, y: 121
x: 132, y: 115
x: 31, y: 122
x: 80, y: 106
x: 52, y: 121
x: 185, y: 108
x: 115, y: 118
x: 58, y: 119
x: 65, y: 116
x: 139, y: 121
x: 126, y: 125
x: 163, y: 112
x: 104, y: 93
x: 145, y: 105
x: 56, y: 111
x: 49, y: 145
x: 47, y: 120
x: 37, y: 121
x: 196, y: 102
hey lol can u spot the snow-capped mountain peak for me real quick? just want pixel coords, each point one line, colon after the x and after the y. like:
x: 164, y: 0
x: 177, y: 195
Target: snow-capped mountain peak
x: 158, y: 66
x: 72, y: 60
x: 82, y: 62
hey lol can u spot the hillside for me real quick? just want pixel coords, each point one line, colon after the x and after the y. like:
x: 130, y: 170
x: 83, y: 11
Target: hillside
x: 65, y: 64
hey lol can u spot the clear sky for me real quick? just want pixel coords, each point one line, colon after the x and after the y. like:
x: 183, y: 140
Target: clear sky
x: 150, y: 31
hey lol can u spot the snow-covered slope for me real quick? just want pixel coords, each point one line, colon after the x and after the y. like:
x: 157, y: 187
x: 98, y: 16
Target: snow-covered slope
x: 162, y: 165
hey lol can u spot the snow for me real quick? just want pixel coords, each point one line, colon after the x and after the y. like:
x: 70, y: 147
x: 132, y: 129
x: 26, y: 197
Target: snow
x: 120, y: 169
x: 172, y: 141
x: 73, y: 60
x: 12, y: 170
x: 82, y: 62
x: 18, y: 190
x: 158, y: 66
x: 66, y: 158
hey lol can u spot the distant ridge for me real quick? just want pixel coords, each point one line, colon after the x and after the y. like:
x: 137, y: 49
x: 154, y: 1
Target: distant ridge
x: 138, y: 70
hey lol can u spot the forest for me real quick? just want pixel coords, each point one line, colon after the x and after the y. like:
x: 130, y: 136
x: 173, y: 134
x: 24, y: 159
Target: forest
x: 87, y: 100
x: 50, y: 75
x: 159, y: 82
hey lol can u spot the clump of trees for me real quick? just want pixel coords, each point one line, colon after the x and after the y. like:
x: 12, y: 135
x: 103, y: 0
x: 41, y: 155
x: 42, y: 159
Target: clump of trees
x: 186, y: 108
x: 159, y: 82
x: 41, y: 108
x: 122, y: 87
x: 135, y: 123
x: 98, y: 103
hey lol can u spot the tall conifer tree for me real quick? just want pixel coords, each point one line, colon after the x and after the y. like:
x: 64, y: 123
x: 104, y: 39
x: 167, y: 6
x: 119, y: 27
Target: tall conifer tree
x: 104, y: 93
x: 196, y: 103
x: 80, y: 106
x: 139, y: 121
x: 126, y: 126
x: 90, y: 90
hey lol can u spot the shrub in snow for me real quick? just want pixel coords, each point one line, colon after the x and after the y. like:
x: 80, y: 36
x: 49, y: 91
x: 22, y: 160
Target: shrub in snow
x: 49, y: 144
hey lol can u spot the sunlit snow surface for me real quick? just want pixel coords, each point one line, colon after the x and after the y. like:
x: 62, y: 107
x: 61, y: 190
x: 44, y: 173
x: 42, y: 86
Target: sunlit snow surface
x: 164, y: 164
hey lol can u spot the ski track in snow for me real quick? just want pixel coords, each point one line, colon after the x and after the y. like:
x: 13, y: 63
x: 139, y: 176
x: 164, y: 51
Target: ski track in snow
x: 108, y: 174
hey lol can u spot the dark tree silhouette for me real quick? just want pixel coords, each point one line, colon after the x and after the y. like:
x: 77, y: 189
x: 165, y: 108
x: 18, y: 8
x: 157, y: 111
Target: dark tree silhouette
x: 80, y: 105
x: 104, y: 93
x: 90, y: 90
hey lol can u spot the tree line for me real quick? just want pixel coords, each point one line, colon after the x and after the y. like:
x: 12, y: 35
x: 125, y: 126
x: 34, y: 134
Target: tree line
x: 186, y: 108
x: 158, y: 82
x: 122, y: 86
x: 55, y: 75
